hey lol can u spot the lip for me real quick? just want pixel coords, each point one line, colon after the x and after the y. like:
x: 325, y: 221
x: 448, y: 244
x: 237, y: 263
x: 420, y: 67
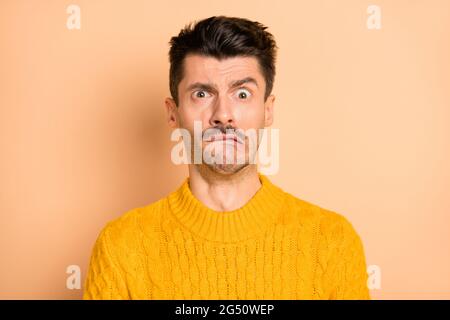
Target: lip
x: 222, y: 137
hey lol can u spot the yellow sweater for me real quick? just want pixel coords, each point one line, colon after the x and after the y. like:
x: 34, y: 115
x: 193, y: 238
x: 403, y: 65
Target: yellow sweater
x: 275, y: 247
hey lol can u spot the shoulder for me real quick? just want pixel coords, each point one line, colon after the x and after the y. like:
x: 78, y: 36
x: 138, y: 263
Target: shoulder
x: 128, y: 229
x: 326, y: 222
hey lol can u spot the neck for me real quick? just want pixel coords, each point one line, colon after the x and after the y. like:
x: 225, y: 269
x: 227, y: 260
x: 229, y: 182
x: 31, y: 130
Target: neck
x: 223, y: 192
x: 248, y: 221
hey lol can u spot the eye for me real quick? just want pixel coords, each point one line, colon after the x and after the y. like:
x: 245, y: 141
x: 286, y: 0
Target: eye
x: 243, y: 94
x: 200, y: 94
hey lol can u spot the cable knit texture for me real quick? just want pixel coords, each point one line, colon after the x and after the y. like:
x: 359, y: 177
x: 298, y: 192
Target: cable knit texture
x: 274, y: 247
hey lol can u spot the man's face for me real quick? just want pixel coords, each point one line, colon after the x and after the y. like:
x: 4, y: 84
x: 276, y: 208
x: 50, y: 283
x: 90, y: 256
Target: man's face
x: 226, y: 94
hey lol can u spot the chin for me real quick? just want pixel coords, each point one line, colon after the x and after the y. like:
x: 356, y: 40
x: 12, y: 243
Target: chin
x: 227, y: 169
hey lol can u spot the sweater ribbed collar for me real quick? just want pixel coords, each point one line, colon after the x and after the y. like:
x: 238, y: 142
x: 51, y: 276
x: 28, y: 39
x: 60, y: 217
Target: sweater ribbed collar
x: 228, y: 226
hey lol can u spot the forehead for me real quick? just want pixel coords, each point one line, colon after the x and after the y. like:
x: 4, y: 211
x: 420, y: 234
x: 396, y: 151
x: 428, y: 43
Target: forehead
x: 198, y: 68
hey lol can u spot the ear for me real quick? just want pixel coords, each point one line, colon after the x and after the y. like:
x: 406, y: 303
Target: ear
x: 268, y: 110
x: 172, y: 112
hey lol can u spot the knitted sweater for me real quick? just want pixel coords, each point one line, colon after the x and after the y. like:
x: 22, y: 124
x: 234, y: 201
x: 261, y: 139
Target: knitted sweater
x: 274, y: 247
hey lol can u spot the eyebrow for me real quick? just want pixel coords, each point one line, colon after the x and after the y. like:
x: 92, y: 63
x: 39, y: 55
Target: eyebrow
x: 210, y: 87
x: 239, y: 83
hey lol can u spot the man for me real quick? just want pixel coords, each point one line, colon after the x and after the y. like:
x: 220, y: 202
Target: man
x: 227, y: 232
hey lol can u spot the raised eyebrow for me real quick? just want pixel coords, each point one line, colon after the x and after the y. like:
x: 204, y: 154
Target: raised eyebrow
x: 240, y: 82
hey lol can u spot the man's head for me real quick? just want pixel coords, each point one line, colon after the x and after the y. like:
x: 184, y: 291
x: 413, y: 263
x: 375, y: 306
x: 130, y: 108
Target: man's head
x: 222, y: 72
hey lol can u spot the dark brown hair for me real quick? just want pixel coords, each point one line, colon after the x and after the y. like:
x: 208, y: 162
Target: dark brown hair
x: 223, y: 37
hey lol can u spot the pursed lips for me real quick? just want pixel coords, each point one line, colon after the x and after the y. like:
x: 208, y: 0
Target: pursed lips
x: 224, y: 137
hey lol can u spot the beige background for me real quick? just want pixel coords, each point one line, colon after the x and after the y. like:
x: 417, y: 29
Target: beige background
x: 363, y: 115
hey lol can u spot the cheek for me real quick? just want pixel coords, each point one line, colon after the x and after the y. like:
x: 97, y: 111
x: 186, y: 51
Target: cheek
x: 190, y: 114
x: 250, y: 116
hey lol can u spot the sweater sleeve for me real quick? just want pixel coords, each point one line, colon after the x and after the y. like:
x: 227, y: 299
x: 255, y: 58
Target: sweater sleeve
x: 104, y: 280
x: 350, y: 276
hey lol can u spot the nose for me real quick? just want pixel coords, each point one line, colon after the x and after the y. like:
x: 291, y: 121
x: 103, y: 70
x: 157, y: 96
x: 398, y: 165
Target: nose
x: 222, y: 115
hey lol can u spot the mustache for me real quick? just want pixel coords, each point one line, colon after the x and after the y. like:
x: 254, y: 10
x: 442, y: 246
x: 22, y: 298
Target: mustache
x: 240, y: 134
